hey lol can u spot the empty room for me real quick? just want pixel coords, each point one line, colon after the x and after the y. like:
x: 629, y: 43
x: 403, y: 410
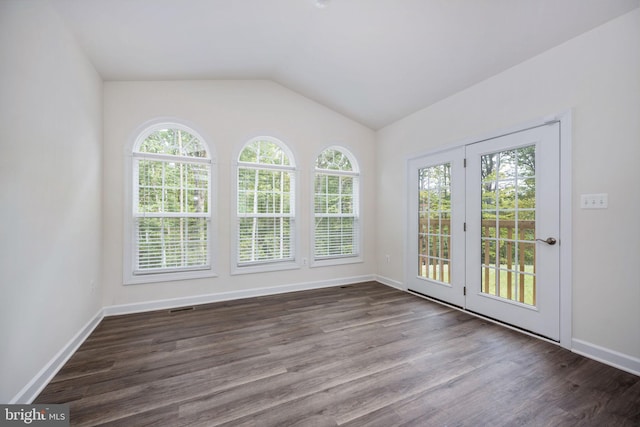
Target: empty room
x: 320, y: 212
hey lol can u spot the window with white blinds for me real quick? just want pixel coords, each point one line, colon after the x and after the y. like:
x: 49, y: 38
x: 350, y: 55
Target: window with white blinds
x: 336, y: 205
x: 265, y: 204
x: 171, y: 202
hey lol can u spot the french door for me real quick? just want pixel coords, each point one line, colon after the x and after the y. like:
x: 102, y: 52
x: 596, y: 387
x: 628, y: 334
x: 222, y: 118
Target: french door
x: 485, y: 236
x: 437, y: 219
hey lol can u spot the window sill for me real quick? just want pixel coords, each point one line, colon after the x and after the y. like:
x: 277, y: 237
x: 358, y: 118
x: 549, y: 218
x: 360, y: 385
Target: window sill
x: 264, y: 268
x: 136, y: 279
x: 328, y: 262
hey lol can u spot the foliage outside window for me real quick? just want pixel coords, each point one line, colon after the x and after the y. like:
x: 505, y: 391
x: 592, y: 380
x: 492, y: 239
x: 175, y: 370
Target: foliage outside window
x: 434, y: 215
x: 336, y: 205
x: 171, y: 202
x: 265, y: 203
x: 509, y: 224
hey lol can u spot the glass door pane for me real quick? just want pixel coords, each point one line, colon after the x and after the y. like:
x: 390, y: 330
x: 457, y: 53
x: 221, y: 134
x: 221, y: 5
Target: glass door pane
x: 435, y: 265
x: 508, y: 206
x: 434, y: 224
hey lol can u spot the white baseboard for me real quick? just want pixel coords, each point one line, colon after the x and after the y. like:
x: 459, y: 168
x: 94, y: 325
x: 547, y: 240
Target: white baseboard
x: 41, y: 379
x: 607, y: 356
x: 33, y: 388
x: 30, y: 391
x: 390, y: 282
x: 164, y: 304
x: 592, y: 351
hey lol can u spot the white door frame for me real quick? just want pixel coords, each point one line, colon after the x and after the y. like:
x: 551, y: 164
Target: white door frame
x: 566, y: 201
x: 541, y: 316
x: 449, y: 292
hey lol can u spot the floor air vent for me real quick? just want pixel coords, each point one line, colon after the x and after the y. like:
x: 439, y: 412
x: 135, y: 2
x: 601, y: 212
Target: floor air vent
x: 181, y: 309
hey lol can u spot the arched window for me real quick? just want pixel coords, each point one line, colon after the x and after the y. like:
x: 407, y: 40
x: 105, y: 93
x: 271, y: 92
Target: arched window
x: 336, y: 205
x: 171, y: 204
x: 265, y: 204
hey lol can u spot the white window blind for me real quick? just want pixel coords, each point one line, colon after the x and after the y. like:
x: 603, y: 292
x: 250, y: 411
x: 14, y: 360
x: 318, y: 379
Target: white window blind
x: 265, y: 203
x: 336, y: 205
x: 171, y: 206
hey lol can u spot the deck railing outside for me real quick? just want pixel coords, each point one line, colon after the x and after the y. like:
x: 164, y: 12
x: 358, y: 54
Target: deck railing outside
x: 513, y: 278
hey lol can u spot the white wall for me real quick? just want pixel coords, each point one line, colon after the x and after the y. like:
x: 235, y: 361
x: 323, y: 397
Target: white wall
x: 597, y: 75
x: 50, y: 191
x: 55, y: 238
x: 227, y: 114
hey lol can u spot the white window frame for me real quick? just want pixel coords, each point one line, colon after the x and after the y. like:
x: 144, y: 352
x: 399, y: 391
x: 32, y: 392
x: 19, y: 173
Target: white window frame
x: 266, y: 265
x: 130, y: 276
x: 355, y: 173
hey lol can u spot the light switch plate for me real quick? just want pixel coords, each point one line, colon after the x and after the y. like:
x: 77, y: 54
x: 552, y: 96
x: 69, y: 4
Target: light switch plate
x: 594, y: 201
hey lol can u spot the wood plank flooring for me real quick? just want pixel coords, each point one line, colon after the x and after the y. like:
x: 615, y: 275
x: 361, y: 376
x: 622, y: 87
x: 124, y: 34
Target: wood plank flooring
x: 358, y: 355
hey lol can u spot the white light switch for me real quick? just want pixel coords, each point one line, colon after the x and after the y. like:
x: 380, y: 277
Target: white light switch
x: 594, y: 201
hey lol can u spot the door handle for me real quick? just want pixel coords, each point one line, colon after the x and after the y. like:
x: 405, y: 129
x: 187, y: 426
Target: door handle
x: 549, y: 241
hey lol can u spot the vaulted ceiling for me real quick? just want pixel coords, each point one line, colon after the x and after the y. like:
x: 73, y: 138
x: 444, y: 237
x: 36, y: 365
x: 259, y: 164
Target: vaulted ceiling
x: 375, y: 61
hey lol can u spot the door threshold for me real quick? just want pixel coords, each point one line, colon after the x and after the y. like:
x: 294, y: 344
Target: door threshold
x: 439, y: 301
x: 483, y: 317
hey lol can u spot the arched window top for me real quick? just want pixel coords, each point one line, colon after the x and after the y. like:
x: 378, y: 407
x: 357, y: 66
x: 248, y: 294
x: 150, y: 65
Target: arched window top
x: 169, y: 225
x: 336, y: 159
x: 171, y: 139
x: 266, y: 151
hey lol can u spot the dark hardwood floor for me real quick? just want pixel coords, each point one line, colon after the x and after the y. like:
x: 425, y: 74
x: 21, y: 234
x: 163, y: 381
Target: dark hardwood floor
x: 357, y: 355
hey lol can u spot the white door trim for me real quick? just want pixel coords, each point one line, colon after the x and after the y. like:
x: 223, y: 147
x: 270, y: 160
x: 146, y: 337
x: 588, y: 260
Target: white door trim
x: 566, y: 202
x: 451, y: 293
x: 541, y: 316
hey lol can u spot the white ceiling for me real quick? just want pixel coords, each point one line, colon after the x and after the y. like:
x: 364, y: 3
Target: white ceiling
x: 375, y: 61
